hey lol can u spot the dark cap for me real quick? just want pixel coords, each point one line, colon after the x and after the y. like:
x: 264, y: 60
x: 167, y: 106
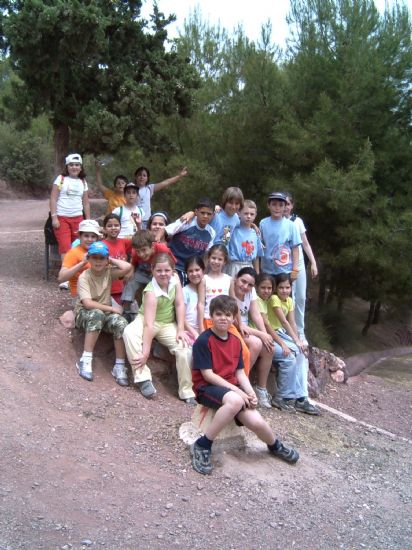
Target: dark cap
x: 277, y: 196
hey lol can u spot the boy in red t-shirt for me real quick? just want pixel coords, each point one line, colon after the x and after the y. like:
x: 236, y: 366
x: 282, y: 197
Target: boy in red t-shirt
x: 120, y: 249
x: 144, y: 249
x: 220, y: 382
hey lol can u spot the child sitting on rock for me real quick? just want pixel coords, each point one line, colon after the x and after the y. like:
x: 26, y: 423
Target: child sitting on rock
x: 220, y: 382
x: 94, y: 311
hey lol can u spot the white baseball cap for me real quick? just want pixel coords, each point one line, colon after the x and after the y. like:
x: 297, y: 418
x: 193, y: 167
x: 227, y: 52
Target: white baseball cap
x: 89, y: 226
x: 75, y: 157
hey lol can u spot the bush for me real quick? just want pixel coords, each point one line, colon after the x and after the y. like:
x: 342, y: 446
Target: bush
x: 24, y: 159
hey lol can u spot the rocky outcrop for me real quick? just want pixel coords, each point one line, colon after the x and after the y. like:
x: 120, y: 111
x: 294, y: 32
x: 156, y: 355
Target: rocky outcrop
x: 323, y: 367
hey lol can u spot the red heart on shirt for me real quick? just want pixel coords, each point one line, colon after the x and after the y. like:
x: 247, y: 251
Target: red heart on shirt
x: 220, y: 290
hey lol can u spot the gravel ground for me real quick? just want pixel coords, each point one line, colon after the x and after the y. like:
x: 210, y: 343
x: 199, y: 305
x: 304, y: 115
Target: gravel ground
x: 95, y: 465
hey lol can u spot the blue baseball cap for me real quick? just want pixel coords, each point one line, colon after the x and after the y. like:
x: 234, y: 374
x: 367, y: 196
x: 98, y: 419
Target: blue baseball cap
x: 277, y: 196
x: 98, y: 248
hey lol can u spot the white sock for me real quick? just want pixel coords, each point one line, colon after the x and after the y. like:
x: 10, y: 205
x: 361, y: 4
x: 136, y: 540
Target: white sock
x: 119, y: 361
x: 87, y: 357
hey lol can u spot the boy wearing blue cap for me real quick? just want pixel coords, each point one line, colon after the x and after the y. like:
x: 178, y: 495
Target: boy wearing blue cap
x: 94, y: 310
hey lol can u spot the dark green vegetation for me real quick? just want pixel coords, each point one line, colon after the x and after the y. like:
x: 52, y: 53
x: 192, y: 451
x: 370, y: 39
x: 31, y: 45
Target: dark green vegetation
x: 329, y: 119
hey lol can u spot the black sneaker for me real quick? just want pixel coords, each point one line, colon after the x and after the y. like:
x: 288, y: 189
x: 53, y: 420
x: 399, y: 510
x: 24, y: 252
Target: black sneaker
x: 306, y: 407
x: 284, y: 404
x: 288, y: 455
x: 201, y: 459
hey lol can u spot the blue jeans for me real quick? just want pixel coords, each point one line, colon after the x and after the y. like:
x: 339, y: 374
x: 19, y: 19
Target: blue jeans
x: 290, y: 378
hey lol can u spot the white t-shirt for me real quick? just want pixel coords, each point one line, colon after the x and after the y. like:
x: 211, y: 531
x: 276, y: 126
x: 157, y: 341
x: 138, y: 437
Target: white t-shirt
x: 301, y: 229
x: 144, y: 200
x: 70, y: 199
x: 190, y: 298
x: 219, y: 286
x: 128, y: 226
x: 244, y: 305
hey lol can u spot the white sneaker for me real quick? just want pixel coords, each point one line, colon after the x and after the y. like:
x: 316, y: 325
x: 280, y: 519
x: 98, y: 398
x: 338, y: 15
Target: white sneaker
x: 64, y: 286
x: 85, y: 369
x: 263, y: 398
x: 119, y: 373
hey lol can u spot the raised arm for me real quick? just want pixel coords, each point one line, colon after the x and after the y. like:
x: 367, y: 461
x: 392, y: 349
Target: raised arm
x: 98, y: 180
x: 121, y: 268
x: 66, y: 273
x: 158, y: 186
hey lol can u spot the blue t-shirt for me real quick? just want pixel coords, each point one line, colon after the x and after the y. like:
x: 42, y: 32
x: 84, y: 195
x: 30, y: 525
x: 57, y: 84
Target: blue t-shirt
x: 188, y: 239
x: 244, y: 245
x: 224, y: 225
x: 279, y: 238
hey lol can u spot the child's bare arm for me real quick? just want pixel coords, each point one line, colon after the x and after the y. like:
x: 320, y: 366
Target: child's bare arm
x: 121, y: 268
x: 88, y: 303
x: 66, y: 273
x: 214, y: 379
x: 295, y: 262
x: 201, y: 304
x: 53, y: 206
x: 86, y: 205
x: 98, y: 180
x: 165, y: 183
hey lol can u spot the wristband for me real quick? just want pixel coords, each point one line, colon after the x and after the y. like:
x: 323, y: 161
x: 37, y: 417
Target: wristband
x: 54, y: 215
x: 295, y: 270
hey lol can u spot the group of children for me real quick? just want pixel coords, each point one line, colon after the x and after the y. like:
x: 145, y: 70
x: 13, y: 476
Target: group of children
x: 212, y: 287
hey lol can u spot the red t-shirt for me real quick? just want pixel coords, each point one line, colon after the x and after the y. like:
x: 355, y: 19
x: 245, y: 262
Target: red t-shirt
x: 224, y: 357
x: 146, y: 266
x: 118, y: 249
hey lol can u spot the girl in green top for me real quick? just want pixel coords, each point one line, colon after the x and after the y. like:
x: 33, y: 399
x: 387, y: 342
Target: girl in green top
x: 161, y: 317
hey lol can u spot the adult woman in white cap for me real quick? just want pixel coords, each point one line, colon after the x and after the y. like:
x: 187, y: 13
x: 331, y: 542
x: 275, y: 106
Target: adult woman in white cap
x: 69, y: 199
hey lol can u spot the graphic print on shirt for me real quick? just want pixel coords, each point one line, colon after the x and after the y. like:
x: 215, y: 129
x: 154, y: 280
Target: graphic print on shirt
x: 226, y: 235
x: 248, y: 249
x: 282, y: 255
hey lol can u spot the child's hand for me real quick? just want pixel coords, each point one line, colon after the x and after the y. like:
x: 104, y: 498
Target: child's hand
x: 253, y: 400
x: 314, y: 270
x: 286, y: 350
x: 117, y: 309
x: 55, y: 222
x: 187, y: 217
x: 244, y: 330
x: 139, y: 362
x: 255, y: 229
x: 184, y: 172
x: 217, y: 209
x: 294, y: 275
x: 84, y: 260
x: 302, y: 347
x: 183, y: 338
x: 267, y: 341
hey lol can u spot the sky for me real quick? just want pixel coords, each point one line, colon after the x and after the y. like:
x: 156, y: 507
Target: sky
x: 232, y: 12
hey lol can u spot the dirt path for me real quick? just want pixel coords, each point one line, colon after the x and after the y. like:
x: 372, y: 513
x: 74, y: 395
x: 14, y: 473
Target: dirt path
x: 94, y: 465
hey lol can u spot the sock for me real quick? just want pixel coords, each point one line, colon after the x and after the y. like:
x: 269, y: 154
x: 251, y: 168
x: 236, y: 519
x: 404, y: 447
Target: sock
x: 119, y: 361
x: 301, y: 399
x: 259, y: 388
x: 87, y: 357
x: 275, y: 446
x: 205, y: 442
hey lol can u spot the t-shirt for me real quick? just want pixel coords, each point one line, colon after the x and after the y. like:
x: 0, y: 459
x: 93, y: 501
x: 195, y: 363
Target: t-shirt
x: 144, y: 200
x: 218, y: 286
x: 165, y: 308
x: 223, y: 226
x: 244, y: 245
x: 94, y: 287
x: 188, y: 239
x: 128, y: 226
x: 263, y: 308
x: 279, y: 238
x: 70, y: 199
x: 146, y: 266
x: 244, y: 305
x: 222, y: 356
x: 275, y: 301
x: 114, y: 199
x: 119, y: 250
x: 73, y: 257
x: 300, y: 226
x: 190, y: 298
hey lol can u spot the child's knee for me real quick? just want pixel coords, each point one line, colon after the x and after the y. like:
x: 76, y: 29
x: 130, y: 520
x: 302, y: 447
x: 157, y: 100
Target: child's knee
x: 233, y: 400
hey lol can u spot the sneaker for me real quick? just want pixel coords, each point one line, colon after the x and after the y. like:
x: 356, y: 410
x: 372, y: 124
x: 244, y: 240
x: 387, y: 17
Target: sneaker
x: 85, y: 370
x: 147, y: 389
x: 64, y: 286
x: 263, y: 398
x: 283, y: 404
x: 288, y: 455
x: 201, y: 459
x: 190, y: 401
x: 306, y: 407
x: 119, y: 373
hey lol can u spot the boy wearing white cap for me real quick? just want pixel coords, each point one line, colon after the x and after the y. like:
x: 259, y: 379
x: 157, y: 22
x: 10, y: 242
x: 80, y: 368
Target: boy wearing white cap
x: 75, y: 261
x: 69, y: 199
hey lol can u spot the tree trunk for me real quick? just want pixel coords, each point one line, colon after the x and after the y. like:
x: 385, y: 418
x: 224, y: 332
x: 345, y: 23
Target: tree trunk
x: 369, y: 320
x: 61, y: 146
x: 376, y: 313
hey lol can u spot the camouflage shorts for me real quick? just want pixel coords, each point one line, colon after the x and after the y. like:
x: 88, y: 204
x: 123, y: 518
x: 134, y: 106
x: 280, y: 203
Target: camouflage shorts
x: 94, y: 320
